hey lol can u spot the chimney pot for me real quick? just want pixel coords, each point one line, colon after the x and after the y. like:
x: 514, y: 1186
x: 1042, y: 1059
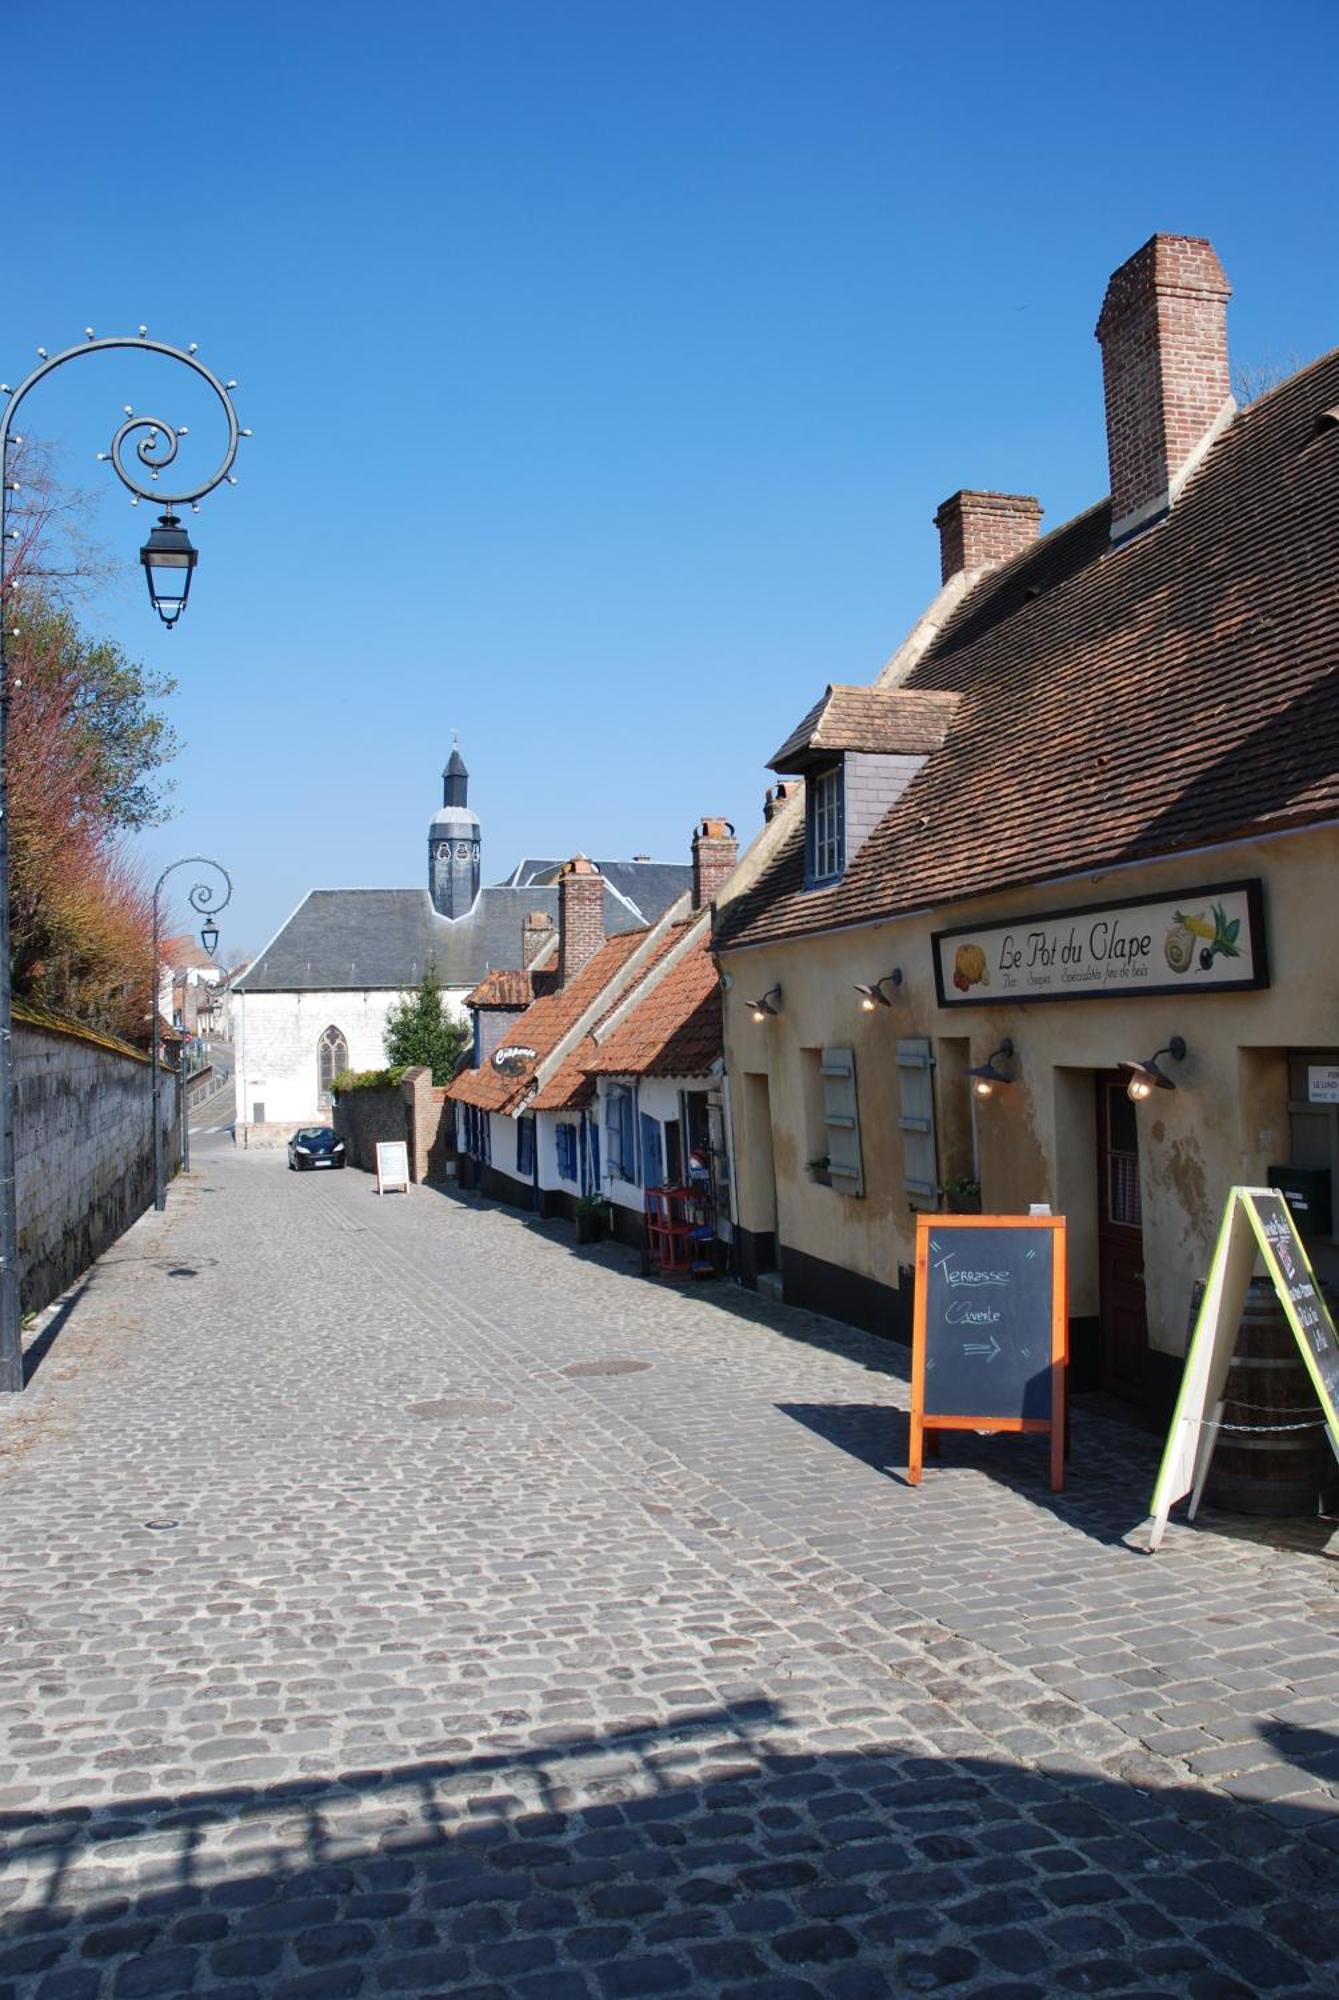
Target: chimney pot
x: 1163, y: 329
x: 978, y: 530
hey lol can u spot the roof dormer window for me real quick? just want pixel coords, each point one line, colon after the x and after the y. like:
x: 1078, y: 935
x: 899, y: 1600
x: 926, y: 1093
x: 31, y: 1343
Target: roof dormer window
x: 826, y: 804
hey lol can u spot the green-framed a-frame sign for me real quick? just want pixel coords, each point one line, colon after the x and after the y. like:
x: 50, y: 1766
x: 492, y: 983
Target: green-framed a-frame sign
x: 1256, y: 1222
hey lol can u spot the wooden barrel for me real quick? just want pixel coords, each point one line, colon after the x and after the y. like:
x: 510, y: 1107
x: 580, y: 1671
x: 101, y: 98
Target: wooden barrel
x: 1278, y: 1459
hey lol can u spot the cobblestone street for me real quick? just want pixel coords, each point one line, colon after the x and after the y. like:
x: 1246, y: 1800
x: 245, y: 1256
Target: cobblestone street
x: 397, y: 1601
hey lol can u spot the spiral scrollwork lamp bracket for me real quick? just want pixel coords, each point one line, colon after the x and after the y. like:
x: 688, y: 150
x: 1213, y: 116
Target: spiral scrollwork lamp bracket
x: 157, y: 441
x: 205, y: 898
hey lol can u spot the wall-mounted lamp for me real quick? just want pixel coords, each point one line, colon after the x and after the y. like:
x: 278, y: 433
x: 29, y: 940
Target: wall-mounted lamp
x: 986, y: 1078
x: 769, y: 1004
x: 1146, y: 1077
x: 874, y: 996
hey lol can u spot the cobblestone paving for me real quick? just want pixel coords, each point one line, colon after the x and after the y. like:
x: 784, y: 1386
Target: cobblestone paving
x: 368, y: 1625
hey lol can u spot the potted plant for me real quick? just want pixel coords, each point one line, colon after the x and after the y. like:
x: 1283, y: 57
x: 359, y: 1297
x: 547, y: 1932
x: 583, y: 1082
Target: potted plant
x: 592, y: 1217
x: 819, y: 1170
x: 961, y: 1196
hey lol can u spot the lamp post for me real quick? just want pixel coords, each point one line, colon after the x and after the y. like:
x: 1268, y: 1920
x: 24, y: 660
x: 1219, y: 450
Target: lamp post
x: 205, y: 900
x: 169, y: 563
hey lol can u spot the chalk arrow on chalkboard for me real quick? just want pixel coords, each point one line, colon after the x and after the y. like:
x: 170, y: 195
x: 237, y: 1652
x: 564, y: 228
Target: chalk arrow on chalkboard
x: 990, y: 1348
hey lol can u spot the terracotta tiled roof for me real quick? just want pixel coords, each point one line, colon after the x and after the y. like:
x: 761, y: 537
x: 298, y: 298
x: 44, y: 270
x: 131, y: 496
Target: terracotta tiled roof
x: 571, y: 1084
x: 675, y: 1031
x: 542, y: 1027
x: 512, y: 987
x: 887, y: 721
x: 1119, y: 703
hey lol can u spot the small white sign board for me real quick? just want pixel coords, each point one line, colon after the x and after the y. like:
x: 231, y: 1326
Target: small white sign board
x: 1322, y: 1083
x: 392, y: 1165
x: 1256, y: 1222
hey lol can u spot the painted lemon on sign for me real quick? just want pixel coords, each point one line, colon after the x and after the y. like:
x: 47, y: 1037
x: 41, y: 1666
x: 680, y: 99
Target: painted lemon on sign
x: 1207, y: 937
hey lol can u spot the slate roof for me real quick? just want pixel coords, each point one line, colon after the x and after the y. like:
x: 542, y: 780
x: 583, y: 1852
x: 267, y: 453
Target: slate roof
x: 675, y: 1031
x: 543, y: 1026
x: 648, y: 887
x: 1177, y: 691
x: 888, y: 721
x: 386, y: 938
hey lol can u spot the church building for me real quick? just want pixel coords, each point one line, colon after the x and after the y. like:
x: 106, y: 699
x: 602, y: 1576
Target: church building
x: 316, y: 1000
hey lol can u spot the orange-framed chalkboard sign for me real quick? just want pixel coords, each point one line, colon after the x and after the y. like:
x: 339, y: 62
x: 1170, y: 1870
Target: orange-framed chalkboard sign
x: 990, y: 1332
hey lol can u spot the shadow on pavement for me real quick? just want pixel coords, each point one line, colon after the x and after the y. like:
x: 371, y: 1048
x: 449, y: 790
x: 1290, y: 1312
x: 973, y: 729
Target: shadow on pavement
x: 701, y: 1858
x: 37, y: 1350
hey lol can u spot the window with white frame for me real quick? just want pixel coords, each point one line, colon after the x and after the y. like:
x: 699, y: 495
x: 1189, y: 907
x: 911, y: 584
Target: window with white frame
x: 827, y: 824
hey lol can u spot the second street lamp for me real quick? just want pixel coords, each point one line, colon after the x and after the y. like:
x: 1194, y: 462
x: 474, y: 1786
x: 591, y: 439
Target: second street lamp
x: 206, y: 900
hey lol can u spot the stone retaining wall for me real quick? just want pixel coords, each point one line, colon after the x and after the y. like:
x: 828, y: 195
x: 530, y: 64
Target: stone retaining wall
x: 83, y: 1145
x: 410, y: 1110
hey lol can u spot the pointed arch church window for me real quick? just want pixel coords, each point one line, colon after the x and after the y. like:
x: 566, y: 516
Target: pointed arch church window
x: 332, y: 1056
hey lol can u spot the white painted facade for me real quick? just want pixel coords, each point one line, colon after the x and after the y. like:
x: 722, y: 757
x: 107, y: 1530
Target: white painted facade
x: 276, y: 1039
x: 656, y: 1097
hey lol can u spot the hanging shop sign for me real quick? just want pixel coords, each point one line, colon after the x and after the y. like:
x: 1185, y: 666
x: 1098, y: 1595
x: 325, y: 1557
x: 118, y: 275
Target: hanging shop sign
x: 990, y: 1331
x: 514, y: 1059
x: 1256, y: 1221
x: 1206, y: 940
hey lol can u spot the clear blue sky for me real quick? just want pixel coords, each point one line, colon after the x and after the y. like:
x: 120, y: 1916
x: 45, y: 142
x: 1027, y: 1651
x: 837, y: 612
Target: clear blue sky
x: 607, y: 361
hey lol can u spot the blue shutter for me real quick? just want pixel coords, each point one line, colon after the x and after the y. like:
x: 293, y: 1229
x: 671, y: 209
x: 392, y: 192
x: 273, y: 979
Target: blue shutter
x: 627, y: 1138
x: 653, y: 1152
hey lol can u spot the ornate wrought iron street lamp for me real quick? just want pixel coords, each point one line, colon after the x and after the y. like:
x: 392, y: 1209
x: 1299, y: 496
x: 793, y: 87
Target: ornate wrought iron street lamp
x: 169, y: 563
x: 205, y: 900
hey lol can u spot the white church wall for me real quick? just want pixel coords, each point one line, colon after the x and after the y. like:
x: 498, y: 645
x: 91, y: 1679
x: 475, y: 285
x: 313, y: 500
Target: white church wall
x: 277, y: 1035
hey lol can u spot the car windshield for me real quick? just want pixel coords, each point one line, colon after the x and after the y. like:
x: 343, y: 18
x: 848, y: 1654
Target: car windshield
x: 314, y: 1135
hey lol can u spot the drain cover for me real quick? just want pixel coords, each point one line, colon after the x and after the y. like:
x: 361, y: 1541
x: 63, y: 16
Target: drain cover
x: 613, y: 1364
x: 458, y: 1406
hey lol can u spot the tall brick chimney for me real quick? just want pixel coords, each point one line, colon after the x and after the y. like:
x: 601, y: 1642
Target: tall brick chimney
x: 536, y: 931
x: 1163, y: 330
x: 580, y: 916
x: 977, y: 530
x: 715, y: 852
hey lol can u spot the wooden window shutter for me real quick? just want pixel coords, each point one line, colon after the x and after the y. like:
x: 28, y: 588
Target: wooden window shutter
x: 916, y: 1121
x: 841, y: 1114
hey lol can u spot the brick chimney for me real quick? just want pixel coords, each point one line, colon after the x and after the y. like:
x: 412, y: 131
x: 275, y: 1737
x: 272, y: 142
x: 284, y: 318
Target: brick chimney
x: 977, y: 530
x: 536, y: 931
x: 1163, y: 330
x: 715, y: 852
x: 580, y: 916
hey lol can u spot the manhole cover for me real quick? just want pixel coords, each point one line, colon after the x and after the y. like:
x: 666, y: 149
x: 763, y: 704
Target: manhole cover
x: 458, y: 1406
x: 614, y: 1364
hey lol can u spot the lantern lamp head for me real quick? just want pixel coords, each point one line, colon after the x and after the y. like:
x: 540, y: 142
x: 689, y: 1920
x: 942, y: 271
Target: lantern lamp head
x: 988, y: 1076
x: 209, y: 936
x: 873, y: 995
x: 770, y: 1003
x: 1146, y: 1077
x: 169, y: 560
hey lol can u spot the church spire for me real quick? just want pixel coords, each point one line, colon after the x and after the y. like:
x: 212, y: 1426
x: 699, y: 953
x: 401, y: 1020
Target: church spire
x: 455, y: 778
x: 453, y: 843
